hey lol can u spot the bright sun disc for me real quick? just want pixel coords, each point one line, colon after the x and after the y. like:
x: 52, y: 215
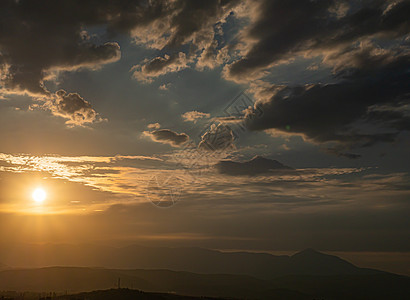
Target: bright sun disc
x: 39, y: 195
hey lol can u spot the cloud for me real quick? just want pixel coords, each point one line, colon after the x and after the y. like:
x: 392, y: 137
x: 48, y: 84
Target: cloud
x: 194, y: 116
x: 186, y: 32
x: 39, y: 38
x: 340, y: 153
x: 272, y: 203
x: 158, y: 66
x: 71, y: 106
x: 128, y: 176
x: 164, y: 87
x: 167, y: 136
x: 363, y: 58
x: 212, y: 56
x: 368, y: 104
x: 281, y: 31
x: 195, y: 20
x: 154, y: 126
x: 193, y: 23
x: 103, y: 173
x: 218, y: 137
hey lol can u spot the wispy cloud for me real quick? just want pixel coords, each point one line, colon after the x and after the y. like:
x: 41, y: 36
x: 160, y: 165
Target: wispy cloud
x: 193, y: 116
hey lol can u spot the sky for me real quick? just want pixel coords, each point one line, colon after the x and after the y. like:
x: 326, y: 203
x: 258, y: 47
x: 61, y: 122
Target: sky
x: 137, y: 118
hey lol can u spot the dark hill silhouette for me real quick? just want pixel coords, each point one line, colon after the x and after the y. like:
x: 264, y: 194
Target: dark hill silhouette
x: 128, y: 294
x: 257, y: 165
x: 260, y: 265
x: 352, y: 287
x: 312, y: 262
x: 58, y: 279
x: 197, y: 260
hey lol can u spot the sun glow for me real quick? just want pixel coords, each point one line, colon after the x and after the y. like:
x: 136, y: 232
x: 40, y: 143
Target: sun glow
x: 39, y: 195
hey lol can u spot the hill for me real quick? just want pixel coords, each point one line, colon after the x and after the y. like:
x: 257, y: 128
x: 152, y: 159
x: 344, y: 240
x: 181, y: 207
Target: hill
x: 197, y: 260
x: 128, y: 294
x: 303, y: 287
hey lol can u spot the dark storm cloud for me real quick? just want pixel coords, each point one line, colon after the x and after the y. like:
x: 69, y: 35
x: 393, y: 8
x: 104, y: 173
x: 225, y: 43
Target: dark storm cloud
x: 194, y: 17
x: 37, y: 37
x: 168, y: 137
x: 351, y: 112
x: 368, y: 102
x: 397, y: 117
x: 190, y: 23
x: 284, y: 29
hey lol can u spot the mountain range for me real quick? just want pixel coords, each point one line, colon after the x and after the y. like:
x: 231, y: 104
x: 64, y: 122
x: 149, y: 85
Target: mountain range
x: 77, y: 279
x: 197, y: 260
x: 129, y: 294
x: 198, y: 272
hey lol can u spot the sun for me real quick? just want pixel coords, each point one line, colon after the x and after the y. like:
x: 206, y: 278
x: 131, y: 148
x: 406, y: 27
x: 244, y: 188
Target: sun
x: 39, y: 195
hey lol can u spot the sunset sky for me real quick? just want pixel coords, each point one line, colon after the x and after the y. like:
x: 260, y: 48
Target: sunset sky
x: 121, y: 111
